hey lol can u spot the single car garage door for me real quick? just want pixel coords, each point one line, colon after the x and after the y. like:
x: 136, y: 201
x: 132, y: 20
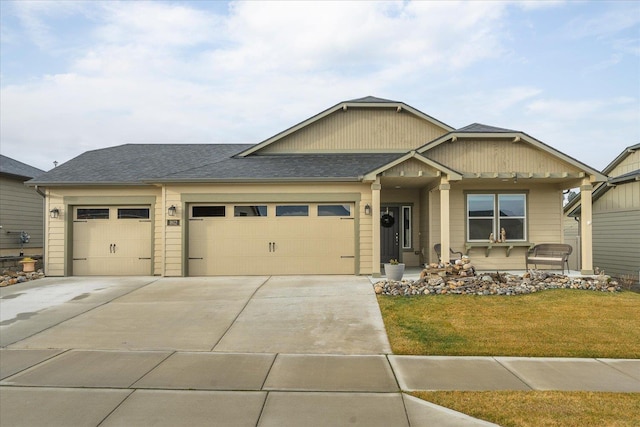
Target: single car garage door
x: 111, y: 240
x: 264, y: 239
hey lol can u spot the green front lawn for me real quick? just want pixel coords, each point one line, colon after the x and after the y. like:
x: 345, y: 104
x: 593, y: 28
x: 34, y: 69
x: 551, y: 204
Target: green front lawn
x: 552, y: 323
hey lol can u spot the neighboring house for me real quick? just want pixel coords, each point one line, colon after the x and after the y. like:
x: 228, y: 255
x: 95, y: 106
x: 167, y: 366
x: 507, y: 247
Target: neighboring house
x: 21, y: 209
x: 616, y: 216
x: 360, y: 183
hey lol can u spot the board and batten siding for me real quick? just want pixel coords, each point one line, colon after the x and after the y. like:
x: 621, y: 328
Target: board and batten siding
x: 630, y: 163
x: 21, y: 209
x: 359, y: 130
x: 621, y: 197
x: 486, y: 156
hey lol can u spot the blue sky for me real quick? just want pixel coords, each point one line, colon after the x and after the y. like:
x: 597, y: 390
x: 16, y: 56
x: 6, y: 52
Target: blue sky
x: 77, y: 76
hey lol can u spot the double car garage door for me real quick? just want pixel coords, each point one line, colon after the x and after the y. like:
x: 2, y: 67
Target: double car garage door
x: 223, y: 239
x: 271, y: 238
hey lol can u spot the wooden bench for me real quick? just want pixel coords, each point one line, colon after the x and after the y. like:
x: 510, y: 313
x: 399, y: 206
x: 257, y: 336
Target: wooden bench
x: 549, y: 254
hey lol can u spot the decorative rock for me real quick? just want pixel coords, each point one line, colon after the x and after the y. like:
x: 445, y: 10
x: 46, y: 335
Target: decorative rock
x: 10, y: 277
x: 493, y: 284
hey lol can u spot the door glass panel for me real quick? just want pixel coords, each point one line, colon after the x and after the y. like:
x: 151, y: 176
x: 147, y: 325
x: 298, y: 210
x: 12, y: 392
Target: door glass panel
x: 208, y: 211
x: 133, y: 213
x: 406, y: 227
x: 254, y: 210
x: 92, y: 213
x: 334, y: 210
x: 292, y: 210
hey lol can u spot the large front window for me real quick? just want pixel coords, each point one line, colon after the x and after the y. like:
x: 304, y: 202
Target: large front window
x: 488, y: 214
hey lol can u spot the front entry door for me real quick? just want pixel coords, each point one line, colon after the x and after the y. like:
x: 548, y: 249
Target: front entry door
x: 389, y: 234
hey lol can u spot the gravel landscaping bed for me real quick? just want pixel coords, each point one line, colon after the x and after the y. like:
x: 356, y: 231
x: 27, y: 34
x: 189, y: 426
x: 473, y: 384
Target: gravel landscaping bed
x: 494, y: 284
x: 12, y: 277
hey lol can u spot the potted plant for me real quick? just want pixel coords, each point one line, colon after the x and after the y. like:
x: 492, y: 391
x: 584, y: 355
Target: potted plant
x: 394, y: 270
x: 28, y: 264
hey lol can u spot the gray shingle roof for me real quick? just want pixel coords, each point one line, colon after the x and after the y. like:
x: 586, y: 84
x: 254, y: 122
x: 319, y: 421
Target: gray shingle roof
x: 480, y: 128
x: 140, y: 163
x: 10, y: 166
x: 349, y: 166
x: 132, y: 163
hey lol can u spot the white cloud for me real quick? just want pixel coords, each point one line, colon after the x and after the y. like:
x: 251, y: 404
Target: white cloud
x: 174, y: 72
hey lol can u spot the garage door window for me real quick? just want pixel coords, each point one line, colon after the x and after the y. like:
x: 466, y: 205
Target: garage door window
x: 92, y: 213
x: 254, y: 210
x: 208, y: 211
x: 292, y: 210
x: 133, y: 213
x: 334, y: 210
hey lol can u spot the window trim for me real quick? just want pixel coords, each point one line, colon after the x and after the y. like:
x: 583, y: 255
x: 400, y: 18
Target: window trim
x: 496, y: 218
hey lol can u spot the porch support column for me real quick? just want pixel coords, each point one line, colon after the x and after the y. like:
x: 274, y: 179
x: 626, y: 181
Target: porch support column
x: 586, y: 226
x: 444, y: 218
x: 375, y: 228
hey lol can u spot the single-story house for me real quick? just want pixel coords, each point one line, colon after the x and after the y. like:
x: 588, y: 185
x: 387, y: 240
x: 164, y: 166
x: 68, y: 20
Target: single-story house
x: 363, y: 182
x: 616, y: 216
x: 21, y: 212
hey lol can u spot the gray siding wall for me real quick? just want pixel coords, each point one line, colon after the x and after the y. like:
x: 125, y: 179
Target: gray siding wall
x: 21, y: 209
x: 616, y: 242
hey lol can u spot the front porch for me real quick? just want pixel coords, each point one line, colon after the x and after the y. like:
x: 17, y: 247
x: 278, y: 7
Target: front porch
x: 494, y: 217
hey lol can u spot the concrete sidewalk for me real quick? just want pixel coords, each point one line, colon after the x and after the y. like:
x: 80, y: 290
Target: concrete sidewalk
x: 237, y: 351
x: 45, y: 387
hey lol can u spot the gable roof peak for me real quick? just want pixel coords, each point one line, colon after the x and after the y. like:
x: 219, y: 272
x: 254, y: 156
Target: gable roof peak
x: 372, y: 99
x: 480, y: 128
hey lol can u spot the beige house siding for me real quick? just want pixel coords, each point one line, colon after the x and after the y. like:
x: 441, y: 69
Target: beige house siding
x: 359, y: 130
x: 489, y: 156
x: 571, y: 232
x: 630, y: 163
x: 621, y: 197
x: 21, y: 209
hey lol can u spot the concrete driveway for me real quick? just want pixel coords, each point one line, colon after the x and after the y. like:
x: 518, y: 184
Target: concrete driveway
x: 291, y: 314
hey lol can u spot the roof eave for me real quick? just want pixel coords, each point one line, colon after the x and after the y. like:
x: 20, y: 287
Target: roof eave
x: 253, y: 180
x: 83, y: 183
x: 620, y: 158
